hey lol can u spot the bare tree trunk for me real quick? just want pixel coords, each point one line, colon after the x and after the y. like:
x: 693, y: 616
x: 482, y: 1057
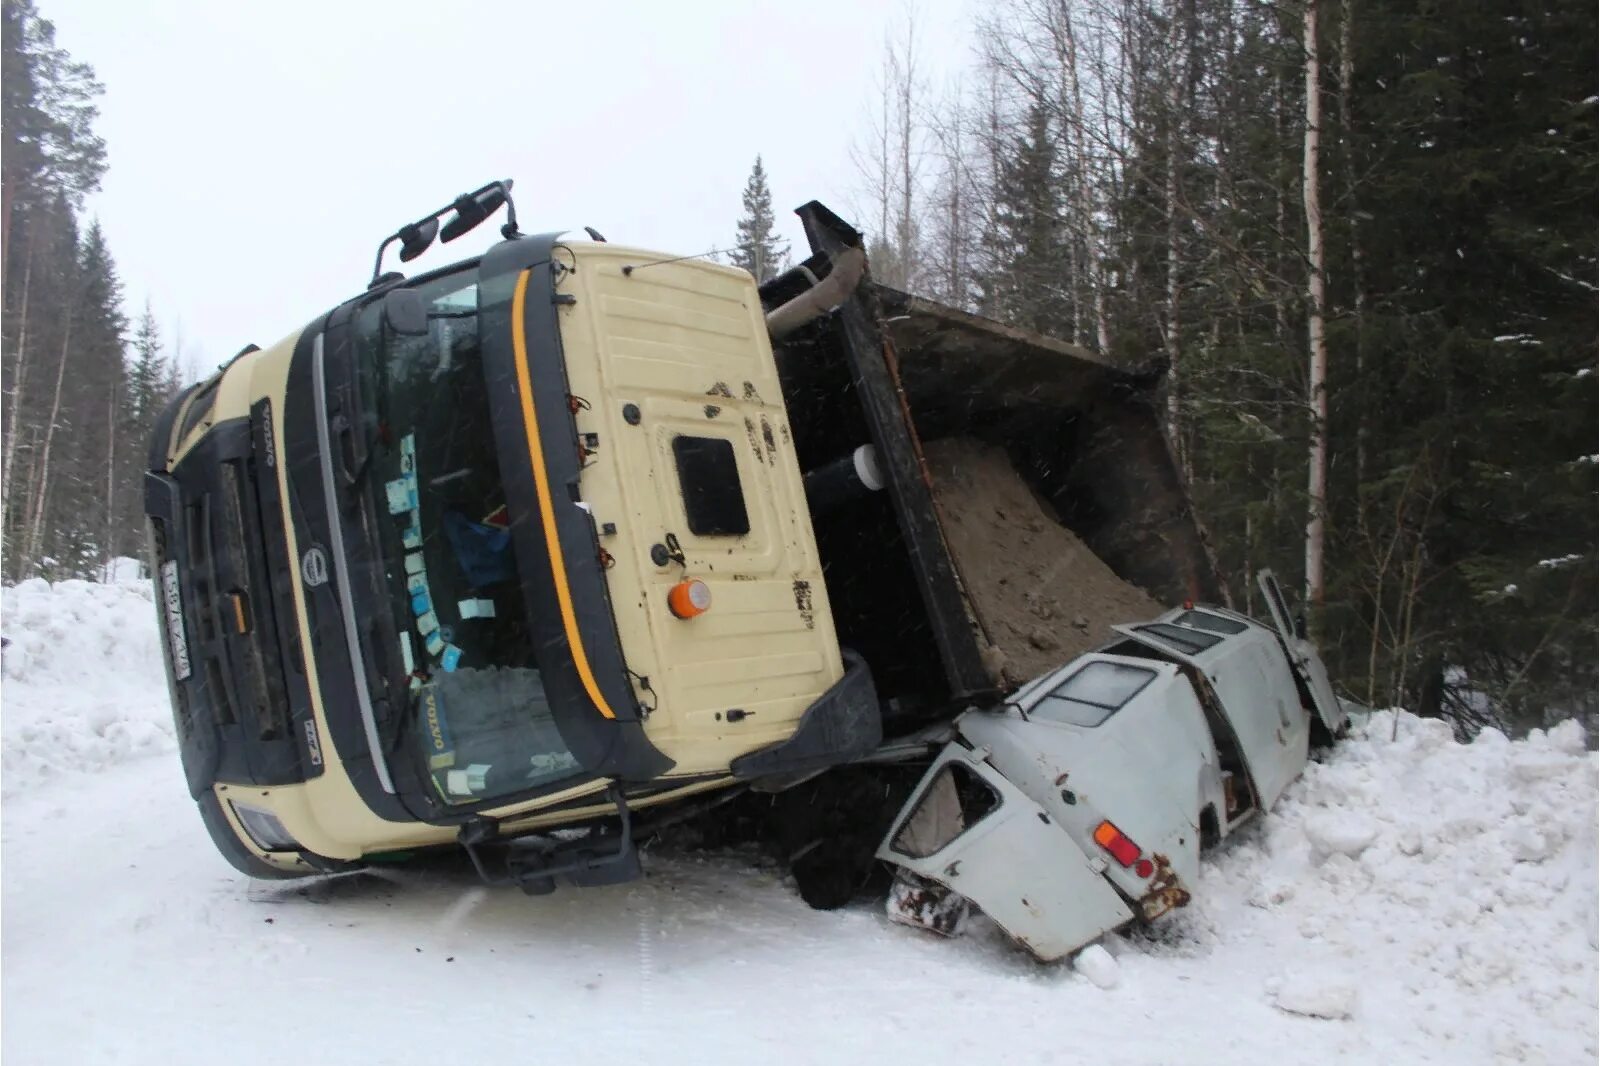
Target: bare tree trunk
x: 955, y: 278
x: 19, y: 375
x: 1171, y: 324
x: 1087, y: 269
x: 1280, y: 308
x: 110, y: 545
x: 1357, y: 281
x: 42, y: 491
x: 1317, y: 481
x: 905, y: 95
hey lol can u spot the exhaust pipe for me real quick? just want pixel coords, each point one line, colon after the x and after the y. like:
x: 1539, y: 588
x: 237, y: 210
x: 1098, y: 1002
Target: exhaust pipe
x: 824, y: 296
x: 843, y: 481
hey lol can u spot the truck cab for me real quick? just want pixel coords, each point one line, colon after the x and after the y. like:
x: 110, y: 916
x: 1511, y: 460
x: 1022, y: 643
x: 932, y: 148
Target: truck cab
x: 514, y: 543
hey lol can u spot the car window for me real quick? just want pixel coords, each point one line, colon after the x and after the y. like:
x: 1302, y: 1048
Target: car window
x: 1216, y: 623
x: 1187, y: 641
x: 1093, y: 694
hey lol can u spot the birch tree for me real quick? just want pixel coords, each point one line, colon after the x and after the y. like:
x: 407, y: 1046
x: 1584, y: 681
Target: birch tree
x: 1317, y: 479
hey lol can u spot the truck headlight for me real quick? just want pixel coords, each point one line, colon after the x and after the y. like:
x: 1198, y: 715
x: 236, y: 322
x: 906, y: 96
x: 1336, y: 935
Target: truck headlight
x: 264, y: 829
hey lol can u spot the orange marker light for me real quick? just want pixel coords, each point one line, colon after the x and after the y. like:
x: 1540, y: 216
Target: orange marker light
x: 689, y: 597
x: 1112, y: 839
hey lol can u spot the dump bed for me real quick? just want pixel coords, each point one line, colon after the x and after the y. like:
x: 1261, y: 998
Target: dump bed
x: 1030, y: 497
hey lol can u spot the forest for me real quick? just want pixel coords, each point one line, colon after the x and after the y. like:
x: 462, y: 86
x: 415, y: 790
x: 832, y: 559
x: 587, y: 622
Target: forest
x: 82, y: 385
x: 1358, y: 236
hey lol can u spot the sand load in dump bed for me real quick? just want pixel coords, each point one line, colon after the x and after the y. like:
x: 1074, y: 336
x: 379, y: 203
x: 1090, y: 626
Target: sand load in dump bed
x: 1003, y: 463
x: 1040, y: 597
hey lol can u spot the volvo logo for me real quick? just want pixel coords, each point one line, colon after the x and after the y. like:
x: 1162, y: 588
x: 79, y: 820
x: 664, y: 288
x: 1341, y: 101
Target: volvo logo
x: 314, y: 567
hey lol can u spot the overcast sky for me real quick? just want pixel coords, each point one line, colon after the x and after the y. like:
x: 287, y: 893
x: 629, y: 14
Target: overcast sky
x: 260, y: 151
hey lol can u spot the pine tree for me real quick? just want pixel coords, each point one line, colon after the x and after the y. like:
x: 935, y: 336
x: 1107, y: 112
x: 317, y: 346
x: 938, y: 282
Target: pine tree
x: 1029, y: 284
x: 147, y: 376
x: 758, y: 248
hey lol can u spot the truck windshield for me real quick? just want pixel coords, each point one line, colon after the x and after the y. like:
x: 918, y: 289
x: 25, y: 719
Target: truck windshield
x: 482, y: 725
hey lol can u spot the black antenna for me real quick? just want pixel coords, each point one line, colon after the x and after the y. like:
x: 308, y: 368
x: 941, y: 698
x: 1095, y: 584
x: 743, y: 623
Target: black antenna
x: 631, y: 267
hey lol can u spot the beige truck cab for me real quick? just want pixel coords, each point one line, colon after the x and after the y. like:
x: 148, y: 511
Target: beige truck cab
x: 516, y: 543
x: 546, y: 538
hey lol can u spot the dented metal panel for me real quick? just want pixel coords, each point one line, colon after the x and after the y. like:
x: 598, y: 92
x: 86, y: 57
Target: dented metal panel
x: 1015, y: 863
x: 1256, y: 694
x: 1307, y: 663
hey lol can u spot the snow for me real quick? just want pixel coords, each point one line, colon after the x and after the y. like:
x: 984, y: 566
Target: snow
x: 1315, y: 995
x: 1411, y: 899
x: 1096, y: 964
x: 1557, y: 563
x: 84, y: 687
x: 1340, y: 833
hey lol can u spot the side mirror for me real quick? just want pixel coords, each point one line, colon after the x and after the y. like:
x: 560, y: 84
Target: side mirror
x: 404, y: 313
x: 1300, y: 630
x: 417, y: 238
x: 472, y: 209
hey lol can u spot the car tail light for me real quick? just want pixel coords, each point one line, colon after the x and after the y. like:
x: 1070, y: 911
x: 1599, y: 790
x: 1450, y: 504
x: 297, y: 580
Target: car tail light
x: 1113, y: 840
x: 689, y: 597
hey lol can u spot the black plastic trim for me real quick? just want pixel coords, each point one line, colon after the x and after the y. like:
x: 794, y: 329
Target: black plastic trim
x: 606, y: 747
x: 876, y: 380
x: 844, y: 724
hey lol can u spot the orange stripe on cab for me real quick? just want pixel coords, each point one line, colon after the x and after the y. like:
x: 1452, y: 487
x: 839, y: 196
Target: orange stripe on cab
x: 541, y: 481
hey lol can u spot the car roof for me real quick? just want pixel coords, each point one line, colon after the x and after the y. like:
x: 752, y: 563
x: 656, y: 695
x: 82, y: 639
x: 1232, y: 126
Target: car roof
x: 1040, y: 686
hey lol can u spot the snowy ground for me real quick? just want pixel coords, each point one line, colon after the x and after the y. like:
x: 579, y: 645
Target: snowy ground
x: 1436, y: 901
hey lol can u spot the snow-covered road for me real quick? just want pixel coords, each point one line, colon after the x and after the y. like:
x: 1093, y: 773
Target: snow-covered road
x: 1437, y: 899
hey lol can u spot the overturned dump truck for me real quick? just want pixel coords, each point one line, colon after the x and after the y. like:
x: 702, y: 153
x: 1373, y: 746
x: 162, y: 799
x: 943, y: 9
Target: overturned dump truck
x: 539, y: 552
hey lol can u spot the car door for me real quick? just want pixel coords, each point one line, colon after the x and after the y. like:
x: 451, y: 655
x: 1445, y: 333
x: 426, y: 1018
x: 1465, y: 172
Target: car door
x: 1007, y: 856
x: 1307, y: 664
x: 1254, y: 691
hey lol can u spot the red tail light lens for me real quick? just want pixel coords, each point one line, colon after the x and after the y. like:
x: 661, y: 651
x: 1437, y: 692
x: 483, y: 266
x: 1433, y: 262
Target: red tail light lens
x: 1113, y: 840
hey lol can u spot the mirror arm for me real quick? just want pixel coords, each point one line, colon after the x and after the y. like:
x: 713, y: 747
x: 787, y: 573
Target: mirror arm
x: 377, y: 267
x: 509, y: 231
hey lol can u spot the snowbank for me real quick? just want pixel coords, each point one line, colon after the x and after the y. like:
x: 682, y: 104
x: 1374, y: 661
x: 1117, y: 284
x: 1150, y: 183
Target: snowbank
x: 1409, y: 899
x: 1418, y: 882
x: 84, y: 685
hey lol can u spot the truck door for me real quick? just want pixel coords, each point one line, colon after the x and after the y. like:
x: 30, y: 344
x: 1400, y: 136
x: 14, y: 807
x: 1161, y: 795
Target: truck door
x: 1007, y: 856
x: 1303, y: 656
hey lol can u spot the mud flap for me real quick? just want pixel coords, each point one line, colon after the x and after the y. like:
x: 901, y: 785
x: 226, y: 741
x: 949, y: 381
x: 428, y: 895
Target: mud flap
x: 1303, y: 656
x: 1002, y: 852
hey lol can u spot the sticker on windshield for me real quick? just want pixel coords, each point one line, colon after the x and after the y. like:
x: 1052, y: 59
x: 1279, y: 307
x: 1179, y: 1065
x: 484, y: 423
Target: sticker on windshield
x: 475, y: 608
x: 314, y: 566
x: 399, y: 493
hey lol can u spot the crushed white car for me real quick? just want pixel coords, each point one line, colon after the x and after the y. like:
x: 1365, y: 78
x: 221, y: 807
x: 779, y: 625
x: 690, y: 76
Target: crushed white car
x: 1082, y: 804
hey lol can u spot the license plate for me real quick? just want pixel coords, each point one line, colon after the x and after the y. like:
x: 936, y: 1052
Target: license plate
x: 174, y: 605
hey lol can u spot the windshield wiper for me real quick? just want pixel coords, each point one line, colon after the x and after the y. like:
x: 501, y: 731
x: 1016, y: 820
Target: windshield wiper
x: 354, y: 453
